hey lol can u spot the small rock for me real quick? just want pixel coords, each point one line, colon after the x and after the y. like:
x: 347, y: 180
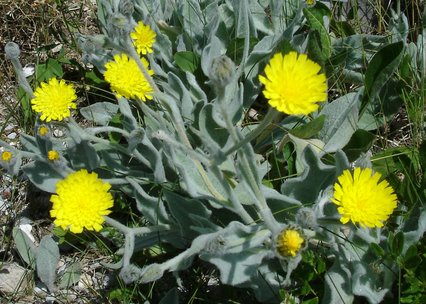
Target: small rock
x: 85, y: 282
x: 13, y: 279
x: 29, y: 69
x: 40, y: 290
x: 6, y: 194
x: 58, y: 133
x: 12, y: 135
x: 9, y: 127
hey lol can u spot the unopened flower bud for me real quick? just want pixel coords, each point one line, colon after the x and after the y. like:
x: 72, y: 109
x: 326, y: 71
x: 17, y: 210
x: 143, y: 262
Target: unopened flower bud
x: 12, y: 50
x: 6, y: 156
x: 43, y: 131
x: 53, y: 155
x: 126, y: 7
x: 222, y: 70
x: 119, y: 25
x: 306, y: 218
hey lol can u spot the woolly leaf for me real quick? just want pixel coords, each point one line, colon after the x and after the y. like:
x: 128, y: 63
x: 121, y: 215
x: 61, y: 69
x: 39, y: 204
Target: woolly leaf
x: 25, y: 246
x: 47, y: 261
x: 188, y: 213
x: 83, y: 156
x: 337, y: 284
x: 237, y: 252
x: 71, y: 276
x: 317, y: 175
x: 101, y: 112
x: 42, y: 175
x: 341, y: 121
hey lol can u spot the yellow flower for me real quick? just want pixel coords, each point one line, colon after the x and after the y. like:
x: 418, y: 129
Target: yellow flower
x: 126, y: 79
x: 310, y: 2
x: 53, y: 100
x: 52, y: 155
x: 363, y: 199
x: 81, y: 201
x: 43, y: 130
x: 143, y: 38
x: 6, y: 156
x: 293, y: 85
x: 289, y: 242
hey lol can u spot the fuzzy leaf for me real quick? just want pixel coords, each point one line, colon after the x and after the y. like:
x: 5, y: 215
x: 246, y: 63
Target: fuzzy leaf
x: 341, y: 121
x: 300, y: 145
x: 47, y: 261
x: 338, y: 289
x: 29, y: 143
x: 151, y: 207
x: 360, y: 142
x: 188, y: 213
x: 71, y: 276
x: 42, y: 175
x: 101, y: 112
x: 129, y: 121
x: 241, y: 252
x: 83, y: 156
x: 317, y: 175
x: 25, y: 246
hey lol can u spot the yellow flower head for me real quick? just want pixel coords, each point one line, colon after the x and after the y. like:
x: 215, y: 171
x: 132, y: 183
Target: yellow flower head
x: 310, y: 2
x: 143, y: 38
x: 81, y: 201
x: 289, y: 242
x: 362, y: 199
x: 43, y: 130
x: 293, y: 85
x: 53, y: 100
x: 126, y: 79
x: 53, y: 155
x: 6, y: 156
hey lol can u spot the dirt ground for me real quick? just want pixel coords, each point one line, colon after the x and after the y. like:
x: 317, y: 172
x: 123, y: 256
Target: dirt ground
x: 41, y: 28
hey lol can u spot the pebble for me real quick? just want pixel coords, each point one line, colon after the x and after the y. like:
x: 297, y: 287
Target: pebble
x: 13, y: 279
x: 12, y: 135
x: 9, y: 127
x: 58, y: 133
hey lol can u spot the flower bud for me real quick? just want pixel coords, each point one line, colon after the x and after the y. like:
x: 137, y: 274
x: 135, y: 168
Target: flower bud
x: 126, y: 7
x: 222, y: 71
x: 12, y: 50
x: 130, y: 273
x: 119, y: 26
x: 306, y: 218
x: 53, y: 155
x: 289, y: 242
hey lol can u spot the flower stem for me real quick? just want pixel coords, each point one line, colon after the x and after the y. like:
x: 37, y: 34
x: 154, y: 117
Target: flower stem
x: 269, y: 117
